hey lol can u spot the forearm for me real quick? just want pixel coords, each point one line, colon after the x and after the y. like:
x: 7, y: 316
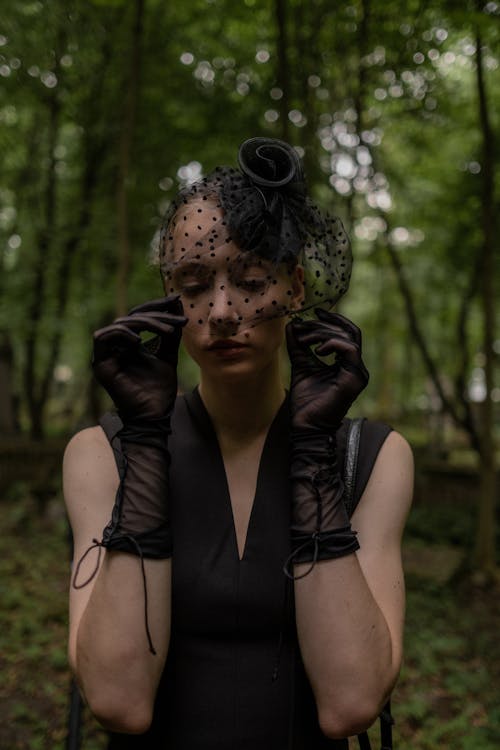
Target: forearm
x: 119, y: 630
x: 114, y: 666
x: 345, y: 644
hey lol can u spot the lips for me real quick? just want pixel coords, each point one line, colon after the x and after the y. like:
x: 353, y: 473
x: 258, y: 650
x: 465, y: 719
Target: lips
x: 225, y: 344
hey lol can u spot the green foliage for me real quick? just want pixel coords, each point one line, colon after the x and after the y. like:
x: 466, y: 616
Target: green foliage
x: 447, y: 691
x: 441, y: 524
x: 384, y: 105
x: 385, y: 109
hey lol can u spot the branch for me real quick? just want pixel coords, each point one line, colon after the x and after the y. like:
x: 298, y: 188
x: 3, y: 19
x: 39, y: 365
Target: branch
x: 419, y: 338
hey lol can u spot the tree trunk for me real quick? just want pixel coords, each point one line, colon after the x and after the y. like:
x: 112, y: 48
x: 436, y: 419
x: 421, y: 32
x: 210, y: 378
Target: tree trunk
x: 79, y: 227
x: 283, y: 72
x: 125, y: 148
x: 486, y: 528
x: 38, y: 376
x: 7, y: 400
x: 9, y: 391
x: 40, y: 267
x: 307, y: 19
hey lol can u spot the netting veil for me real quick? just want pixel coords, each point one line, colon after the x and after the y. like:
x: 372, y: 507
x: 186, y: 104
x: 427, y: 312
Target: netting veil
x: 241, y: 233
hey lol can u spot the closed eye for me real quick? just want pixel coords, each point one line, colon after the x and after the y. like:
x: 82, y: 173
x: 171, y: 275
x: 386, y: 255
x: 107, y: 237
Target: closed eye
x: 192, y: 278
x: 253, y: 285
x: 193, y: 289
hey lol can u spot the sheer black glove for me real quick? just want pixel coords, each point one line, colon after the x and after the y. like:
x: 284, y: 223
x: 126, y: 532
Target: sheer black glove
x: 142, y: 381
x: 320, y: 396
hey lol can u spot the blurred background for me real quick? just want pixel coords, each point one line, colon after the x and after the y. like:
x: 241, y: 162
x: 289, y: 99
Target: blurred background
x: 106, y: 108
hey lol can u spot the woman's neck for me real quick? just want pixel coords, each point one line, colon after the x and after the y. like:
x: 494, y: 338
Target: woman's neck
x: 242, y: 411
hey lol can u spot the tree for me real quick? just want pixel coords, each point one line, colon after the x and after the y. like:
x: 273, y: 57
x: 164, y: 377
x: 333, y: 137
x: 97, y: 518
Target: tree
x: 108, y: 106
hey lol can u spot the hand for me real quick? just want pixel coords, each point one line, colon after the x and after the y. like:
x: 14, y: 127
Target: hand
x: 141, y: 379
x: 321, y: 394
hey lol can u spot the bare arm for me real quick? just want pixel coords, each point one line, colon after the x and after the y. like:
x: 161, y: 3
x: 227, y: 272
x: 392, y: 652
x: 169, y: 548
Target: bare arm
x: 108, y: 649
x: 350, y: 611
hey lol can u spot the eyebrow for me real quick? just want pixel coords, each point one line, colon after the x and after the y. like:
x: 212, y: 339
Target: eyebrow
x: 189, y: 266
x: 190, y: 263
x: 251, y: 260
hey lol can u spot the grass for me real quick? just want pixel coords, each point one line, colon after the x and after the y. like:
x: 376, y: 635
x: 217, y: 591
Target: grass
x: 448, y: 695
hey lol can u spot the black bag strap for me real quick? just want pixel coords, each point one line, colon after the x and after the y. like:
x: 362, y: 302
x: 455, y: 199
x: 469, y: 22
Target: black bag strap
x: 386, y: 722
x: 351, y: 463
x: 350, y: 467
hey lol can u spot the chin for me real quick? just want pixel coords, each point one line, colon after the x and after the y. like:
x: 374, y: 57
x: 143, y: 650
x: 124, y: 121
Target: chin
x: 233, y: 371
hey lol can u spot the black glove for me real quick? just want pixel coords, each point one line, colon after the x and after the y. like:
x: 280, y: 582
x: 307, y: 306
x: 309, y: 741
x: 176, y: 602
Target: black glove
x: 320, y: 396
x: 142, y: 381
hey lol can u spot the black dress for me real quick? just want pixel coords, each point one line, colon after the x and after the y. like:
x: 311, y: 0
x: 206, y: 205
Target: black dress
x: 234, y: 679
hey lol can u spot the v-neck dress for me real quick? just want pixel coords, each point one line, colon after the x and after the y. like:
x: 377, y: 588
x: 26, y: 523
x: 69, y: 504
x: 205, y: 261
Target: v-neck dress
x: 234, y: 679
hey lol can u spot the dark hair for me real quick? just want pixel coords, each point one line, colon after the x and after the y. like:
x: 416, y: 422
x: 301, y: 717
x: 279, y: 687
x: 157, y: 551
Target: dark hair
x: 268, y: 211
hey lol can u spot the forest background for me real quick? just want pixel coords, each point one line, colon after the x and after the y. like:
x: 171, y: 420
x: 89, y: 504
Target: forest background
x: 106, y: 108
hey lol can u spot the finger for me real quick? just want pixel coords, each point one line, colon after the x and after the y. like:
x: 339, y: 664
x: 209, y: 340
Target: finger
x: 175, y: 321
x: 164, y: 348
x: 113, y: 341
x: 116, y: 335
x: 348, y: 357
x: 314, y: 332
x: 330, y: 340
x: 339, y: 321
x: 172, y: 304
x: 148, y: 323
x: 358, y: 369
x: 168, y: 347
x: 301, y: 355
x: 339, y: 346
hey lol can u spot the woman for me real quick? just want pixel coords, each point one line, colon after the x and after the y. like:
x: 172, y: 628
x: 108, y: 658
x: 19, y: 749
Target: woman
x: 235, y: 604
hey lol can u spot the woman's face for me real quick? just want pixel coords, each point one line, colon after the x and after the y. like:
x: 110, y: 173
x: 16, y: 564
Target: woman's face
x: 235, y: 302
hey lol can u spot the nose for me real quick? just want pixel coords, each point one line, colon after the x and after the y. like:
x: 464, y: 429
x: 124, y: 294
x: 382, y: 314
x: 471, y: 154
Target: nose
x: 223, y: 316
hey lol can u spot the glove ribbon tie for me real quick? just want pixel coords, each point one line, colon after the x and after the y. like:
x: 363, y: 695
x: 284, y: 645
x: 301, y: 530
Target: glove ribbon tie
x: 96, y: 544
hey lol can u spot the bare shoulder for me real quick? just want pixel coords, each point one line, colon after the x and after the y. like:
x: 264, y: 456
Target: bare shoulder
x: 88, y: 455
x: 91, y: 440
x: 388, y: 494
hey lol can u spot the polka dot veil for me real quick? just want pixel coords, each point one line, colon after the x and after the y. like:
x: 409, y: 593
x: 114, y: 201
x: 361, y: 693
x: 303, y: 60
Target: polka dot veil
x: 243, y: 246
